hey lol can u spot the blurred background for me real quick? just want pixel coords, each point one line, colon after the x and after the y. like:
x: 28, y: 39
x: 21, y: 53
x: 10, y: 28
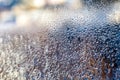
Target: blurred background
x: 25, y: 13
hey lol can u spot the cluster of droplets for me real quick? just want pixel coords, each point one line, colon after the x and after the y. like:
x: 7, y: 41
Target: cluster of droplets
x: 68, y: 53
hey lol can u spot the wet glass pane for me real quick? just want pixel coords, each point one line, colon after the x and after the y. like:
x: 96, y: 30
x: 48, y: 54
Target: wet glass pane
x: 59, y: 40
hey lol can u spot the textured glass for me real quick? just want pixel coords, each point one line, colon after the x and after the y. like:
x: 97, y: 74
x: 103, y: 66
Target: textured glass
x: 59, y: 40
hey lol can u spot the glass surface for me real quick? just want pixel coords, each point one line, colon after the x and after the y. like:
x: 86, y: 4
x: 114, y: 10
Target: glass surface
x: 59, y: 40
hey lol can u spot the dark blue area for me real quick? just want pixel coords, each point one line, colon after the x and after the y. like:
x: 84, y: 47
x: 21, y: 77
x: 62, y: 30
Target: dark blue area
x: 4, y: 5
